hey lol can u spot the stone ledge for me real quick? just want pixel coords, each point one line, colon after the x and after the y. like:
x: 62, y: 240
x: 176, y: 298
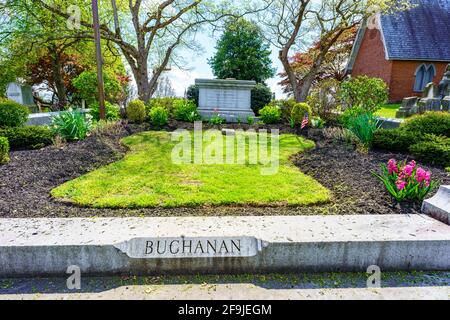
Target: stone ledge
x: 291, y: 244
x: 439, y: 206
x: 45, y: 118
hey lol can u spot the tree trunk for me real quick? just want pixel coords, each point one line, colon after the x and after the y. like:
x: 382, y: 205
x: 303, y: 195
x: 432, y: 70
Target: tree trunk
x: 58, y: 79
x: 309, y: 78
x: 283, y: 56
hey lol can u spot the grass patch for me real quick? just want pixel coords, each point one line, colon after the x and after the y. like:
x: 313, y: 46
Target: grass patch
x: 388, y: 111
x: 147, y: 177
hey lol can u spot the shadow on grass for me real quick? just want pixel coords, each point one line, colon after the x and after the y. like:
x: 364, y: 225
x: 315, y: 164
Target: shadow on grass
x: 269, y: 281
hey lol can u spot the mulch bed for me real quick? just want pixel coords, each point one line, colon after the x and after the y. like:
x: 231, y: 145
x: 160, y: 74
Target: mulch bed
x: 27, y: 180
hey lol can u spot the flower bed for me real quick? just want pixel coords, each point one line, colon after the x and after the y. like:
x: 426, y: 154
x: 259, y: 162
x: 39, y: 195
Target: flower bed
x: 30, y: 176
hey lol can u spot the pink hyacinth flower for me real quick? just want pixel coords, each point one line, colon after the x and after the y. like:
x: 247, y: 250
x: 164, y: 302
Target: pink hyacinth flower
x: 408, y: 170
x: 413, y: 164
x: 421, y: 175
x: 401, y: 184
x: 392, y: 166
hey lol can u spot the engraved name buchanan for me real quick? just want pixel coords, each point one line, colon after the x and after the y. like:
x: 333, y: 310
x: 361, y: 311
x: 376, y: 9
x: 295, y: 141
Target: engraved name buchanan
x: 185, y: 247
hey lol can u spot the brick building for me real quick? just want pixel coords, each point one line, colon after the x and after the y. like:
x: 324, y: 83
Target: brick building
x: 408, y: 49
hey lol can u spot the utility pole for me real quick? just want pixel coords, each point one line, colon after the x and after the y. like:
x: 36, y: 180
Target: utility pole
x: 98, y: 51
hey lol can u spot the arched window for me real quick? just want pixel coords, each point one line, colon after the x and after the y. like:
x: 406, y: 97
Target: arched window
x: 425, y: 74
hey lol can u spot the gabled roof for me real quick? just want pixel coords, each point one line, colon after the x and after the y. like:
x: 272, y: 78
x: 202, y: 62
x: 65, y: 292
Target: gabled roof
x: 420, y: 33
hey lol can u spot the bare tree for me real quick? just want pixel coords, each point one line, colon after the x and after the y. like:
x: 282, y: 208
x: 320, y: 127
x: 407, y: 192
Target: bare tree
x: 295, y: 24
x: 156, y: 31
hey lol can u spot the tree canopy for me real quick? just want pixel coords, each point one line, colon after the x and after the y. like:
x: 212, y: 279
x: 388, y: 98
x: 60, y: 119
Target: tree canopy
x: 242, y: 53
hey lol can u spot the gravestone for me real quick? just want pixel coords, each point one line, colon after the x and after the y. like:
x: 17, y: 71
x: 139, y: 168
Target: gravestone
x: 230, y: 99
x: 439, y: 206
x: 434, y: 98
x: 20, y: 93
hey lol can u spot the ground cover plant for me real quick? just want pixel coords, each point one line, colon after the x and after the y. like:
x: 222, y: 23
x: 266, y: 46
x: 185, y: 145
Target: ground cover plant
x: 147, y: 177
x: 28, y: 137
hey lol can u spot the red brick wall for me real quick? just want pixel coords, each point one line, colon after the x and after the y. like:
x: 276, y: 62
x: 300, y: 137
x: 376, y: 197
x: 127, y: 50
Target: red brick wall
x: 403, y: 79
x: 398, y: 75
x: 371, y: 59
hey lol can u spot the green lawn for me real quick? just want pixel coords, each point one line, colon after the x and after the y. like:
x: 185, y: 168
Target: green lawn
x: 147, y: 177
x: 388, y: 110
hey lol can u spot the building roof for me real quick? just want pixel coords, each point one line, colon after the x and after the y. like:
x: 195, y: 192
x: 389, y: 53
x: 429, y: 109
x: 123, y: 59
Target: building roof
x: 421, y: 33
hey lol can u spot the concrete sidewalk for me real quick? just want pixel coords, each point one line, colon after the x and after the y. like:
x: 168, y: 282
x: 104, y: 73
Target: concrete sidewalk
x: 409, y: 286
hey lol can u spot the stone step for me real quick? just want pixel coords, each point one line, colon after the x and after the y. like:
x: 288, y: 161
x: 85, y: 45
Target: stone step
x: 191, y: 245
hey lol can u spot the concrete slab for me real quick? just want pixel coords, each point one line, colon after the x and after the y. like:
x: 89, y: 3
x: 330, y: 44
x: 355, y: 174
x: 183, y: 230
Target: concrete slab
x: 439, y: 206
x: 242, y: 292
x: 301, y: 243
x: 45, y: 118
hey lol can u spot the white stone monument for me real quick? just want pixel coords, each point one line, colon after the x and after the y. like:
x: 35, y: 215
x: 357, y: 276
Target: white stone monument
x: 231, y: 99
x: 20, y: 93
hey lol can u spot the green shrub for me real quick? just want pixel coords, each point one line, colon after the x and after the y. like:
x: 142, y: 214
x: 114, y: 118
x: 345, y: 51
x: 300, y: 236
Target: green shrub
x: 289, y: 106
x: 364, y: 127
x: 350, y: 113
x: 298, y: 112
x: 159, y: 116
x: 166, y: 102
x: 250, y: 120
x: 28, y: 137
x: 216, y: 120
x: 112, y: 111
x: 136, y: 111
x: 270, y: 114
x: 192, y: 93
x: 437, y: 123
x: 261, y: 96
x: 71, y: 125
x: 13, y: 114
x: 4, y: 149
x: 394, y: 139
x: 433, y: 149
x: 364, y: 92
x: 185, y: 110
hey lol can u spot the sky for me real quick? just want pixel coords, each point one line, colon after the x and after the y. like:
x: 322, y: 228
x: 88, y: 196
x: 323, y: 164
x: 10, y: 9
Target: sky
x: 197, y: 66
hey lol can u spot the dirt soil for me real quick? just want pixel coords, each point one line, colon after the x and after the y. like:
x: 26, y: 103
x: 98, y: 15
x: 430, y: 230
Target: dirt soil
x: 26, y: 182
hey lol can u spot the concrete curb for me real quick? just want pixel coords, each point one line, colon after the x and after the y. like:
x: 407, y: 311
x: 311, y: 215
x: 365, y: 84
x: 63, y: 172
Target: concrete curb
x: 291, y: 244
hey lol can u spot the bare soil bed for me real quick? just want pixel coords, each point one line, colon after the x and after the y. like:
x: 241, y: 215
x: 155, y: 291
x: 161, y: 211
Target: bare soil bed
x: 25, y: 182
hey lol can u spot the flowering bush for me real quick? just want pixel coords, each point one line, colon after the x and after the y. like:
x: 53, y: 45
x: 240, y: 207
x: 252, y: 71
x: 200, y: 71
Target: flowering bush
x: 406, y: 181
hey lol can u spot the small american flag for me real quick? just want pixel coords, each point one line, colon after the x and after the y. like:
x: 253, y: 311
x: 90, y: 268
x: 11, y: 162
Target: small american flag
x: 305, y: 121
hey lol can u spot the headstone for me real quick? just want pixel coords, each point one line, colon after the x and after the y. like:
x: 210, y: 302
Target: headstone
x: 435, y: 98
x: 231, y: 99
x: 407, y: 107
x: 20, y: 93
x: 446, y: 104
x: 444, y: 85
x: 439, y: 206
